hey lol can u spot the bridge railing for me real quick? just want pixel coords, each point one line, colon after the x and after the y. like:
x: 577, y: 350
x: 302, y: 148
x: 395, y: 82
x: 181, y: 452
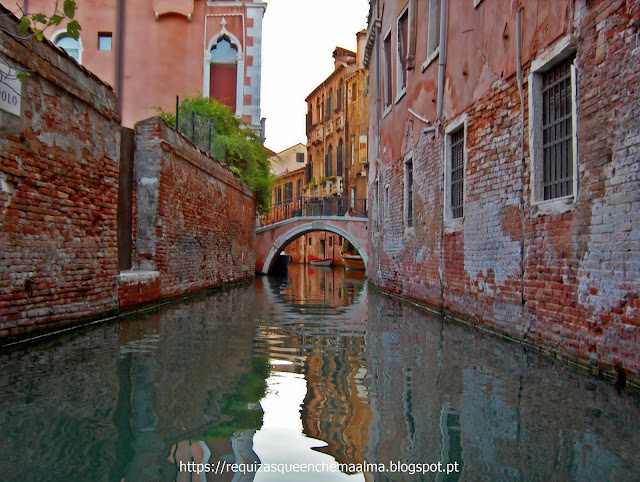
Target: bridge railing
x: 303, y: 206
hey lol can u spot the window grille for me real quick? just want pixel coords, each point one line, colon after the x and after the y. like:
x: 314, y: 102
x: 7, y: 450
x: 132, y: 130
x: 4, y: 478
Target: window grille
x: 557, y: 129
x: 457, y: 174
x: 409, y: 170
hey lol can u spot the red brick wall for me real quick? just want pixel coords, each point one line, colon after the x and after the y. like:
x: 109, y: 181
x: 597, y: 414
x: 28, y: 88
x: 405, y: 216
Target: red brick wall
x: 59, y: 164
x: 580, y: 269
x: 194, y: 221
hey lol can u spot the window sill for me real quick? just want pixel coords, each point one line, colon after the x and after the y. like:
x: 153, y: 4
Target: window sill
x: 401, y: 94
x: 453, y: 225
x: 430, y: 59
x: 554, y: 206
x: 410, y: 231
x: 387, y: 109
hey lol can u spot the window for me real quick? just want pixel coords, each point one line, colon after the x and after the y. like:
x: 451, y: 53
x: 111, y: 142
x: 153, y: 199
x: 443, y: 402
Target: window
x: 401, y: 64
x: 104, y: 40
x: 299, y: 156
x: 353, y: 150
x: 553, y: 141
x: 557, y: 168
x: 387, y: 71
x: 433, y: 32
x: 340, y: 94
x: 408, y: 193
x: 457, y: 174
x: 298, y: 187
x: 223, y: 72
x: 308, y: 171
x: 328, y: 163
x: 70, y: 45
x: 309, y: 238
x: 288, y: 192
x: 329, y: 113
x: 278, y: 195
x: 386, y: 202
x: 455, y: 164
x: 339, y: 158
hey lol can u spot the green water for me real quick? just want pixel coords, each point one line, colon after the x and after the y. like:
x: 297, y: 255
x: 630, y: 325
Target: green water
x: 314, y: 369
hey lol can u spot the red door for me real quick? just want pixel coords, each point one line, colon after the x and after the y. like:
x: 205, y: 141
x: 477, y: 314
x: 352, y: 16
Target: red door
x: 222, y: 84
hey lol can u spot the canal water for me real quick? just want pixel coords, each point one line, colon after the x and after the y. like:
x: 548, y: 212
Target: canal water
x: 312, y: 375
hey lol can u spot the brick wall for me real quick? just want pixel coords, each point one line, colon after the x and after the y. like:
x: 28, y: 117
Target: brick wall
x: 568, y: 281
x: 194, y: 220
x: 58, y: 192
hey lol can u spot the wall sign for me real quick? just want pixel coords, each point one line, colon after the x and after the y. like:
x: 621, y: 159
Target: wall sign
x: 10, y: 89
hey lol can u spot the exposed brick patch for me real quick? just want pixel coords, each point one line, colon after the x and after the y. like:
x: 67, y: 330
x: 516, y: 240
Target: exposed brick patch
x: 194, y: 219
x: 59, y: 165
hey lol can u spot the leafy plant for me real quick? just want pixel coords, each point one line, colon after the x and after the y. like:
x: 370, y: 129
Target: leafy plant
x: 35, y: 24
x: 232, y: 142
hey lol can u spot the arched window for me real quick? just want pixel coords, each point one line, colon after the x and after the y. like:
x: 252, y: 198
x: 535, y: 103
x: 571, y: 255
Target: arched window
x: 340, y: 95
x: 339, y: 159
x: 223, y: 73
x: 70, y: 45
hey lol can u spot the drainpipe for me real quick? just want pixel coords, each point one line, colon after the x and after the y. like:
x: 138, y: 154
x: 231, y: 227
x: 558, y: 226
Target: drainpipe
x: 442, y: 58
x: 522, y: 160
x: 119, y: 74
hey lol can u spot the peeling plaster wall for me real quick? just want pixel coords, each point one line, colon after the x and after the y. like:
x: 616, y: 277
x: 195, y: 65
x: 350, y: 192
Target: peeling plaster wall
x: 566, y: 280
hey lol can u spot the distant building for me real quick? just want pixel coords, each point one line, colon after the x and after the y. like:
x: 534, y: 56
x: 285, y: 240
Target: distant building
x: 153, y: 51
x: 503, y: 179
x: 336, y: 128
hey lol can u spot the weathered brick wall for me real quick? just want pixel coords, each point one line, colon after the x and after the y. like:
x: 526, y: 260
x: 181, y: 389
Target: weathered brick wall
x: 569, y: 282
x: 59, y: 162
x: 194, y: 220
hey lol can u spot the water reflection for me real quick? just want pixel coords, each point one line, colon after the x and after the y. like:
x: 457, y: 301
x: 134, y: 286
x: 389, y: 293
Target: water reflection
x: 309, y: 368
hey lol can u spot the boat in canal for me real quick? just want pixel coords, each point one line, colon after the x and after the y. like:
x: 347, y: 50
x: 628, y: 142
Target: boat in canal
x: 352, y: 261
x: 315, y: 261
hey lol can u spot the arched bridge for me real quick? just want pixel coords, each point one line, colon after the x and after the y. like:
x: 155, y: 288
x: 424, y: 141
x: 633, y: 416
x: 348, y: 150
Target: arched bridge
x: 272, y: 239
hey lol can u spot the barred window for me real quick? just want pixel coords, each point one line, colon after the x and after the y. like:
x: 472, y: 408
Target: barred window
x: 557, y: 132
x: 457, y: 174
x: 408, y: 166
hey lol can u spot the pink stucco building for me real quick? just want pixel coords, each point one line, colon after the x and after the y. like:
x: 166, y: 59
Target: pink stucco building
x: 153, y: 51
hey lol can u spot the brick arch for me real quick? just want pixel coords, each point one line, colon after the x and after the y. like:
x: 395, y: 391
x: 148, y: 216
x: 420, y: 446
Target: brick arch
x: 272, y: 240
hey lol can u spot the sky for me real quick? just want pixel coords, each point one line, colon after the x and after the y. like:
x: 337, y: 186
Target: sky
x: 298, y: 40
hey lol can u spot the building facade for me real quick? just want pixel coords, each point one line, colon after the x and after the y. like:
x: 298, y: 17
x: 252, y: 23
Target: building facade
x: 151, y: 52
x: 336, y: 129
x: 503, y: 186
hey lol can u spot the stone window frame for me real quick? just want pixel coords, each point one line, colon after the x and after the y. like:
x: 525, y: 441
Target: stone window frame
x: 206, y: 81
x: 454, y: 223
x: 562, y: 51
x: 433, y: 37
x: 387, y: 85
x: 409, y: 204
x: 402, y: 75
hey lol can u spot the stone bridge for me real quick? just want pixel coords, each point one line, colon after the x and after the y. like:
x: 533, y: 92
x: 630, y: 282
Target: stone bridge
x: 271, y: 240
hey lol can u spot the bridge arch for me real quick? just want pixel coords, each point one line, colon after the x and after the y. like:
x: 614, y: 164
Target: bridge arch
x: 279, y: 236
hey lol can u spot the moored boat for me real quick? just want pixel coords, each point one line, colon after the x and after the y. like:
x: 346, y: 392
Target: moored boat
x: 315, y: 261
x: 352, y: 261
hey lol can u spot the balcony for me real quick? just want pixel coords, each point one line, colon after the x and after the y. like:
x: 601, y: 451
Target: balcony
x: 339, y: 121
